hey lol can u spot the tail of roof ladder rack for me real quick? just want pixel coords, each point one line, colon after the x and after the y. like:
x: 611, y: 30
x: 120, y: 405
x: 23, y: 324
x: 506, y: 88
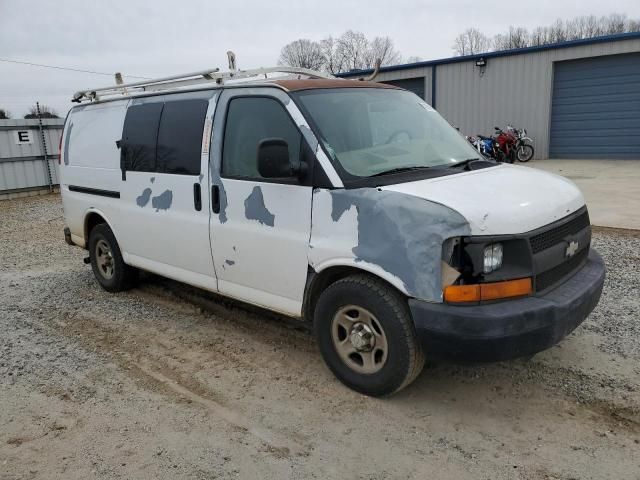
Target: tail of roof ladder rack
x: 187, y: 79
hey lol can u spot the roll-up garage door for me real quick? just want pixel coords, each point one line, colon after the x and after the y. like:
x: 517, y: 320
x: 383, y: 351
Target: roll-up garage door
x: 415, y: 85
x: 595, y: 110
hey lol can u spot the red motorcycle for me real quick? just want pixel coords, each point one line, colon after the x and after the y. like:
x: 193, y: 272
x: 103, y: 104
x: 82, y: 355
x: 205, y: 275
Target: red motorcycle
x: 507, y: 145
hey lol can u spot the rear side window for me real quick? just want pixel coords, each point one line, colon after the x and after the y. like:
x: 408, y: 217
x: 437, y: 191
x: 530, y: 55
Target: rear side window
x: 140, y: 136
x: 180, y: 137
x: 250, y: 120
x: 164, y: 137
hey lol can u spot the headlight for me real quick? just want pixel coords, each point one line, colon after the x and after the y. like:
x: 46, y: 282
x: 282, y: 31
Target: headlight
x: 492, y: 257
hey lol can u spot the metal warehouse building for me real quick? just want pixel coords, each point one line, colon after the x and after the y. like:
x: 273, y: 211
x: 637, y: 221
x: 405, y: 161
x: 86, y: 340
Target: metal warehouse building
x: 577, y: 99
x: 28, y: 156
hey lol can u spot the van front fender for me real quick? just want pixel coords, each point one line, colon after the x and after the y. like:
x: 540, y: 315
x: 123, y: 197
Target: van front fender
x: 394, y: 235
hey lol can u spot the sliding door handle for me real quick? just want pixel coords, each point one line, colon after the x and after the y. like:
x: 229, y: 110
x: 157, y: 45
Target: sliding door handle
x: 197, y: 197
x: 215, y: 198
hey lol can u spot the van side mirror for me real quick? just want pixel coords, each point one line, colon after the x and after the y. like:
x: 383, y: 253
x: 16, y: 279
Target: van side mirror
x: 273, y: 159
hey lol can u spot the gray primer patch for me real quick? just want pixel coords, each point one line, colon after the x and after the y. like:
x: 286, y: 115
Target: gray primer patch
x: 229, y: 262
x: 215, y: 152
x: 143, y: 199
x: 162, y: 201
x: 222, y: 215
x: 339, y: 205
x: 215, y: 155
x: 152, y: 179
x: 402, y: 234
x: 255, y: 209
x: 66, y: 144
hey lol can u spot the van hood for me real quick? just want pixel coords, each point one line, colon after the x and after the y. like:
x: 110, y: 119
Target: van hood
x: 505, y: 199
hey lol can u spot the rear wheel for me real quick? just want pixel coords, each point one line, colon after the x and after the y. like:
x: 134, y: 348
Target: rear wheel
x: 106, y: 261
x: 525, y: 153
x: 366, y: 335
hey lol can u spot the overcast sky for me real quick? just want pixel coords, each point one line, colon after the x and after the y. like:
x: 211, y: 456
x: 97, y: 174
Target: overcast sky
x: 164, y: 37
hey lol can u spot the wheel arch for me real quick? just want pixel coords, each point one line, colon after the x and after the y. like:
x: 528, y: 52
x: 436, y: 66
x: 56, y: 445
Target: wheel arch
x: 93, y: 217
x: 320, y: 277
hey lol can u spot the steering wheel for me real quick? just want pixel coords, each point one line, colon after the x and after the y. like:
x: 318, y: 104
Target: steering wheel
x: 392, y: 137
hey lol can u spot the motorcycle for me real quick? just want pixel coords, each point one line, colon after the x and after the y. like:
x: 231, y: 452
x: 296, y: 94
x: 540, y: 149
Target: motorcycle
x: 506, y: 145
x: 524, y: 147
x: 485, y: 145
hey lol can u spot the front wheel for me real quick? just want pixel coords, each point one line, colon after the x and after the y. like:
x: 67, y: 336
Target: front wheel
x: 524, y: 153
x: 366, y: 335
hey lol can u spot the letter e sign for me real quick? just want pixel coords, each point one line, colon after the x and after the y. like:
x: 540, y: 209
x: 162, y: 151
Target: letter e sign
x: 23, y: 137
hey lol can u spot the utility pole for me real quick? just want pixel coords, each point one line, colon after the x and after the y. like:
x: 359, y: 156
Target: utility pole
x: 43, y: 140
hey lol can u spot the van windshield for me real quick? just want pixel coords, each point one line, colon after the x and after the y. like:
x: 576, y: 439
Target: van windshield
x: 376, y: 131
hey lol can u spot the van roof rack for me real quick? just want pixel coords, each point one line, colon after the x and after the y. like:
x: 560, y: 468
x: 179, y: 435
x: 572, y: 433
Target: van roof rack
x: 196, y: 78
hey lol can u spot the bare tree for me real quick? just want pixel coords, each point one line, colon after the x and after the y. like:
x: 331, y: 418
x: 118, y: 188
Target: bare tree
x: 573, y: 29
x: 333, y: 62
x: 538, y: 37
x: 413, y: 59
x: 614, y: 23
x: 4, y: 114
x: 559, y: 31
x: 45, y: 112
x: 633, y: 26
x: 471, y: 42
x: 517, y: 37
x: 353, y: 49
x: 591, y: 26
x: 303, y: 53
x: 382, y: 48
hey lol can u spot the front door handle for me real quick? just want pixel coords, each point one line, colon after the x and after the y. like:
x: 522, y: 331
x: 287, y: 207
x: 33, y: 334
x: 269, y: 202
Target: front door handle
x: 215, y: 198
x: 197, y: 197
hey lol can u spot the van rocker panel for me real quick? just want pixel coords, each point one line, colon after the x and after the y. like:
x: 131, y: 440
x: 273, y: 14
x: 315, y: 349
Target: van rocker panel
x: 512, y: 328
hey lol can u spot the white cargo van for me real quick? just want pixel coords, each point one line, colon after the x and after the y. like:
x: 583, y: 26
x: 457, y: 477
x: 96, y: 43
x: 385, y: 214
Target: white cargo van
x: 349, y: 204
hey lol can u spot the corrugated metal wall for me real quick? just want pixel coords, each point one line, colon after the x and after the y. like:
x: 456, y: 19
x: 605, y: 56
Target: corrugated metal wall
x: 513, y: 89
x: 22, y: 165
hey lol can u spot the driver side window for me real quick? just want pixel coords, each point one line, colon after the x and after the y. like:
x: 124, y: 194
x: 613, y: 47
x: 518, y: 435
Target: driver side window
x: 249, y: 121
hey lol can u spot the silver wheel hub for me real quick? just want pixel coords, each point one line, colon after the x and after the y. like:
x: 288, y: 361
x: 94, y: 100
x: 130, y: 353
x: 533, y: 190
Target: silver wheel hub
x: 362, y: 337
x: 104, y: 259
x: 359, y: 340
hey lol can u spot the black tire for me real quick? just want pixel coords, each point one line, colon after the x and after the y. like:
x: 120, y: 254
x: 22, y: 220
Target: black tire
x: 404, y: 357
x: 122, y: 277
x: 524, y: 153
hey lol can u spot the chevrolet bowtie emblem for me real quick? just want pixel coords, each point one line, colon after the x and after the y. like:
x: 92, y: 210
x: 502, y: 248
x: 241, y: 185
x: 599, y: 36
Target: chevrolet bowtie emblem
x: 572, y: 248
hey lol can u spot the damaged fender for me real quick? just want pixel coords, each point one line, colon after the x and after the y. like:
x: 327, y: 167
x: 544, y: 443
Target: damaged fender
x: 393, y: 235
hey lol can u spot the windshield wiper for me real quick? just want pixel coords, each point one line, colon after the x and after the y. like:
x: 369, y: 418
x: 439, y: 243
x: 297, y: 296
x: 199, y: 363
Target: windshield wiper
x: 463, y: 163
x: 398, y: 170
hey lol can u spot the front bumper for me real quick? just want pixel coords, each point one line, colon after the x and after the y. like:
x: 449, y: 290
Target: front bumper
x: 510, y: 328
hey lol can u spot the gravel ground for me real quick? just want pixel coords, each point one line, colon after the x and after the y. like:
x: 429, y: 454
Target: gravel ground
x: 166, y: 381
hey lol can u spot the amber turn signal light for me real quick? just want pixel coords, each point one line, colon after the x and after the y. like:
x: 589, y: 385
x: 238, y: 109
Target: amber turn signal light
x: 488, y: 291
